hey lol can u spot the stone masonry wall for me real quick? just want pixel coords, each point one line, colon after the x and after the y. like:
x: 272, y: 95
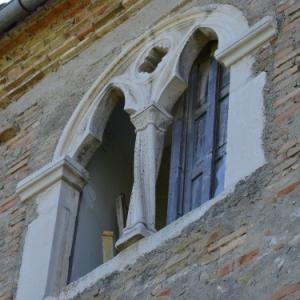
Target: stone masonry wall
x: 245, y: 247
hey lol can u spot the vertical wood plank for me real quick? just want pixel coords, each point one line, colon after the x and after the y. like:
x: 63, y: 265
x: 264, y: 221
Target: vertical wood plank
x: 107, y: 245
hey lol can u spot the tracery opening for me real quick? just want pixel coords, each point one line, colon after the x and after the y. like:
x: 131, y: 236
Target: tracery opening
x: 152, y: 60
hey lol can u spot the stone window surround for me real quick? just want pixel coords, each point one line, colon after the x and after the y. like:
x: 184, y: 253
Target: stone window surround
x: 56, y: 187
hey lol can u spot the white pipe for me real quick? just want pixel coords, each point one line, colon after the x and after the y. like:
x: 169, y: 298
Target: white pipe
x: 15, y: 11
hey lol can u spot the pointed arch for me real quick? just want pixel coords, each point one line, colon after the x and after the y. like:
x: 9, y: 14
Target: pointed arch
x: 181, y: 32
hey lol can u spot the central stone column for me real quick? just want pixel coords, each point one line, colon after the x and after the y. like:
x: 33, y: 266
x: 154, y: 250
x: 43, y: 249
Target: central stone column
x: 151, y: 125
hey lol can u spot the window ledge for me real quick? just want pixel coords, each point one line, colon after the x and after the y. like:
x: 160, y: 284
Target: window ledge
x: 130, y: 255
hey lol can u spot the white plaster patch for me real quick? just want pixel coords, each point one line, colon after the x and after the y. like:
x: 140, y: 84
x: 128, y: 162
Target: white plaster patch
x: 245, y: 128
x: 240, y: 73
x: 38, y: 241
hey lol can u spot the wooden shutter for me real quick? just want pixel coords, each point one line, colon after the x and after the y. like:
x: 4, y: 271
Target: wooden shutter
x: 177, y: 164
x: 199, y: 138
x: 221, y: 132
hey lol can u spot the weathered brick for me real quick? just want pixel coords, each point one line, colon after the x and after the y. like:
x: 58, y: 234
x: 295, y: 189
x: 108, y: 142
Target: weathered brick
x: 285, y: 164
x: 286, y: 73
x: 286, y: 291
x: 17, y: 166
x: 290, y: 96
x: 226, y: 269
x: 278, y: 246
x: 88, y: 28
x: 284, y: 5
x: 76, y: 50
x: 288, y: 113
x: 70, y: 43
x: 7, y: 204
x: 248, y: 257
x: 288, y: 189
x: 73, y: 12
x: 283, y: 60
x: 284, y: 53
x: 8, y: 133
x: 228, y: 240
x: 232, y: 245
x: 293, y: 151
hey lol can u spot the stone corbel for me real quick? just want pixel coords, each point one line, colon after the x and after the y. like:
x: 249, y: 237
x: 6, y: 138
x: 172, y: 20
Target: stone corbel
x: 45, y: 262
x: 151, y: 125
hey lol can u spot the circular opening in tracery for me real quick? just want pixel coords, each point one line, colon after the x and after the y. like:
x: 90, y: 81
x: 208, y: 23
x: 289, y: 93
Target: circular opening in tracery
x: 152, y: 60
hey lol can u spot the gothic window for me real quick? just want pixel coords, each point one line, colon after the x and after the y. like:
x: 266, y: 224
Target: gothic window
x: 196, y: 153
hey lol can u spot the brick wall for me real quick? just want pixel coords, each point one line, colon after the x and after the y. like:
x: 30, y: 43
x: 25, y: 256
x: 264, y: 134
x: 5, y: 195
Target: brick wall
x: 246, y: 247
x: 52, y: 36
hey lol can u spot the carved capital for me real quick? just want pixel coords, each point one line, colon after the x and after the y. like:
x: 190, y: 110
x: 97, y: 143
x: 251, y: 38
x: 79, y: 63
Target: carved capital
x: 153, y: 114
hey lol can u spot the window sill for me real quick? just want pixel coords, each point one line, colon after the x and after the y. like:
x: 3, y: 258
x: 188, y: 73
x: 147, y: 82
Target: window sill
x: 130, y: 255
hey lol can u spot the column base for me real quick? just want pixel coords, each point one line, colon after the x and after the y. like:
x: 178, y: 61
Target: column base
x: 132, y: 234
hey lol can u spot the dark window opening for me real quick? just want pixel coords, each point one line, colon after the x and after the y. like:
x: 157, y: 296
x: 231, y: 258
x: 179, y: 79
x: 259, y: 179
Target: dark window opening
x: 111, y: 174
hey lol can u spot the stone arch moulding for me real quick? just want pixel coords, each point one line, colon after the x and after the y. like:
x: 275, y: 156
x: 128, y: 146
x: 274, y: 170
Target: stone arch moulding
x: 150, y: 75
x: 236, y: 39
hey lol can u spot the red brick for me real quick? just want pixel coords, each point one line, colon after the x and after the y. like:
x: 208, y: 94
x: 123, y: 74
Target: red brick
x: 226, y: 269
x: 289, y: 96
x: 85, y: 31
x: 286, y: 291
x: 287, y: 58
x: 165, y: 293
x: 8, y: 46
x: 246, y: 258
x: 98, y: 11
x: 54, y: 14
x: 283, y: 53
x: 288, y: 189
x: 284, y: 5
x: 288, y: 113
x: 34, y: 28
x: 286, y: 73
x: 10, y: 202
x: 74, y: 12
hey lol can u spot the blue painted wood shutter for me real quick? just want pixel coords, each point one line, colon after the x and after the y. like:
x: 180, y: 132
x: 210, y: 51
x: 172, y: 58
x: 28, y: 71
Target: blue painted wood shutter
x: 199, y: 138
